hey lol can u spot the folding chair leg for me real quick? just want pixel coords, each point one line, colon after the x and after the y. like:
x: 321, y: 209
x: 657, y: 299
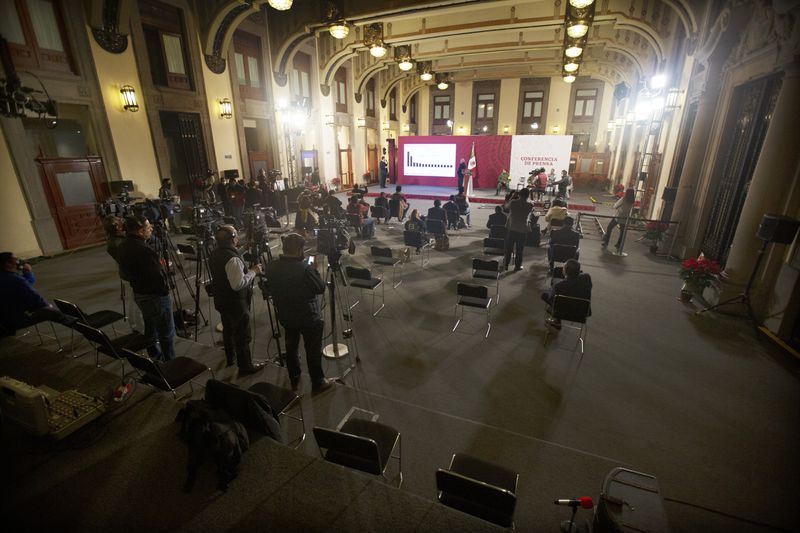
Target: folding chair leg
x: 455, y: 315
x: 488, y: 321
x: 361, y: 292
x: 383, y: 301
x: 396, y: 283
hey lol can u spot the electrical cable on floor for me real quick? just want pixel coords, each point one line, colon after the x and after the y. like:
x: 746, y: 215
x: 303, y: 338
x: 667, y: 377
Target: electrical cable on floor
x: 727, y: 515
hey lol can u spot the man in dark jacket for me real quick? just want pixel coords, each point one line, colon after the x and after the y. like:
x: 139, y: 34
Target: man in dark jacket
x: 233, y: 292
x: 576, y: 285
x: 518, y: 211
x: 296, y: 288
x: 565, y: 236
x: 141, y: 266
x: 498, y: 218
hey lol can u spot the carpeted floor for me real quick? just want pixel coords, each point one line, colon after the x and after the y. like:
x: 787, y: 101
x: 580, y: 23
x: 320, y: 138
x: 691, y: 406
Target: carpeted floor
x: 696, y: 401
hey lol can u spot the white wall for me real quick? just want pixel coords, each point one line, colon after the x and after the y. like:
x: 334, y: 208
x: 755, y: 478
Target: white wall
x: 558, y: 106
x: 509, y: 104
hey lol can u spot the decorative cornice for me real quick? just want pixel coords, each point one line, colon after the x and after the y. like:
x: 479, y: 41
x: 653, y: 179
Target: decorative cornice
x: 108, y: 37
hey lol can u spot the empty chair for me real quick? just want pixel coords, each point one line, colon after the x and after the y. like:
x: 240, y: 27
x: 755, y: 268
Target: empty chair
x: 570, y: 309
x: 362, y: 279
x: 561, y: 253
x: 414, y: 239
x: 361, y: 445
x: 102, y: 344
x: 474, y: 296
x: 498, y: 232
x: 493, y: 246
x: 383, y: 256
x: 479, y: 488
x: 168, y: 376
x: 98, y: 319
x: 483, y: 269
x: 282, y: 401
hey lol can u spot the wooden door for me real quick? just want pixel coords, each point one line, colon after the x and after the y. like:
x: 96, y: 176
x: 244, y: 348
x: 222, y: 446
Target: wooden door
x: 259, y: 159
x: 392, y: 160
x: 72, y: 187
x: 346, y: 167
x: 372, y: 163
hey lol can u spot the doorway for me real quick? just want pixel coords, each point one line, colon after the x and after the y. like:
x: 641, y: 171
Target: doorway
x: 345, y: 164
x: 257, y: 142
x: 187, y: 150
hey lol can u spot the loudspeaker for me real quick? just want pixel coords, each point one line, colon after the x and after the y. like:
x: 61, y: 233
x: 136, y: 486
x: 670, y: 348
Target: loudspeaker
x: 778, y: 229
x: 231, y: 174
x: 669, y: 194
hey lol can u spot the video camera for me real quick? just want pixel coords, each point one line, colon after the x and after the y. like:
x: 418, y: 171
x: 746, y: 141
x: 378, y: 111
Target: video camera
x: 332, y: 235
x: 206, y: 219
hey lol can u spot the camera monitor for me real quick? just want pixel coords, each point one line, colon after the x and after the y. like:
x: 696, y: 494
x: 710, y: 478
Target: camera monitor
x: 280, y: 185
x: 231, y: 174
x: 118, y: 186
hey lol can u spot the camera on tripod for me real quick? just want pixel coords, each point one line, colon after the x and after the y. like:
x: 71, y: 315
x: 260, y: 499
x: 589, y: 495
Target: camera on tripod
x: 332, y: 236
x: 118, y: 206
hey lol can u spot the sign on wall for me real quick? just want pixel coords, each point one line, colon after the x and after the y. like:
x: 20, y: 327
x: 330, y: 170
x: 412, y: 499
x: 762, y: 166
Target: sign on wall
x: 529, y: 152
x: 437, y: 160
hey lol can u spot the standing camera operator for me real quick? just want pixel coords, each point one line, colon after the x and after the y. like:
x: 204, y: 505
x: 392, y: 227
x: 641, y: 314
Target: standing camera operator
x: 233, y: 291
x: 141, y: 266
x: 296, y: 288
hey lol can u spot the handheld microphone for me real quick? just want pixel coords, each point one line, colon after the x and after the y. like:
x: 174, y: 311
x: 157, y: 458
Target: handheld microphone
x: 584, y: 501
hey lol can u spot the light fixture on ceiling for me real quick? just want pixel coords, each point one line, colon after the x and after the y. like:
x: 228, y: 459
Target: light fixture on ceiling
x: 373, y: 39
x: 573, y: 51
x: 339, y: 29
x: 424, y: 70
x: 577, y: 29
x: 441, y: 82
x: 569, y: 78
x: 580, y: 4
x: 225, y: 108
x: 402, y: 55
x: 129, y: 99
x: 658, y: 81
x: 572, y: 66
x: 281, y: 5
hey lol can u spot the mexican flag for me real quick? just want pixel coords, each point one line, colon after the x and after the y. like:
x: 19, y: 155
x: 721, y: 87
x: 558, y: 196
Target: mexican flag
x: 471, y: 165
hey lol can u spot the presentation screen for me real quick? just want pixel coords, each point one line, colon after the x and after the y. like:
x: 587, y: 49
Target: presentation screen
x: 436, y: 160
x: 536, y: 151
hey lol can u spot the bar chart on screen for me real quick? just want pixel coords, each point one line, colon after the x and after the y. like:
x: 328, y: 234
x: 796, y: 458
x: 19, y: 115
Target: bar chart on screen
x: 437, y: 160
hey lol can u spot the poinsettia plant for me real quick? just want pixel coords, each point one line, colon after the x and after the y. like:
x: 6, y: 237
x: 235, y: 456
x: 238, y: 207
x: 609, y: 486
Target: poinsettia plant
x: 700, y: 272
x: 655, y: 231
x: 336, y: 181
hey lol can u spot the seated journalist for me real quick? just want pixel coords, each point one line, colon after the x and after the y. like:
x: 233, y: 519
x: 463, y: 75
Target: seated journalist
x: 576, y: 284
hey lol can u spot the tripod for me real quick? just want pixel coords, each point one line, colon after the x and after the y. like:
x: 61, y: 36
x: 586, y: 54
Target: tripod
x: 260, y: 250
x: 744, y: 297
x: 335, y: 350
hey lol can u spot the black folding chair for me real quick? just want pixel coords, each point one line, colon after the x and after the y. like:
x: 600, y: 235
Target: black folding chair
x: 354, y: 221
x: 493, y: 246
x: 98, y: 319
x: 483, y: 269
x: 394, y: 209
x: 476, y: 297
x: 362, y: 279
x: 361, y: 445
x: 479, y: 488
x: 383, y: 256
x: 570, y: 309
x: 453, y: 219
x: 282, y: 401
x: 102, y: 344
x: 167, y: 376
x: 498, y: 232
x: 560, y: 253
x: 414, y: 239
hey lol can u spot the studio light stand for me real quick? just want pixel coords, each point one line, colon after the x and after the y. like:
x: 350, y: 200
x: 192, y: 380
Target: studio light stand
x: 744, y: 296
x: 337, y: 350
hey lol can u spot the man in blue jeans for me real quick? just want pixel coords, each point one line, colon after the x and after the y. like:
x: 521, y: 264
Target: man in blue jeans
x: 141, y: 265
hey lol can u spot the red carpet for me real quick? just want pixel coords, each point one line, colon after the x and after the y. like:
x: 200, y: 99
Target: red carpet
x: 476, y: 200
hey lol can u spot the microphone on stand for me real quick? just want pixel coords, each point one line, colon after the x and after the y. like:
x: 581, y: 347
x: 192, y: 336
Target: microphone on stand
x: 584, y: 502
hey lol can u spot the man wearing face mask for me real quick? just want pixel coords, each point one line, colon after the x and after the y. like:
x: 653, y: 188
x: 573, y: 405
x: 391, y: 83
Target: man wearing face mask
x: 233, y: 292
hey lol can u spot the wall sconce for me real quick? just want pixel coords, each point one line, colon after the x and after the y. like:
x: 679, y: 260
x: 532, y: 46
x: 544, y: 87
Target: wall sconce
x: 129, y: 97
x: 535, y: 126
x: 505, y: 129
x: 225, y: 108
x: 672, y: 99
x: 330, y: 120
x: 406, y: 128
x: 450, y: 124
x: 610, y: 126
x: 556, y: 129
x: 361, y: 122
x: 461, y: 129
x: 385, y: 126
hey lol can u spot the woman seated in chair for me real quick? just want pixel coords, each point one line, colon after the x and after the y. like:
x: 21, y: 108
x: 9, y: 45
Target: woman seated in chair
x: 416, y: 223
x: 556, y: 214
x: 403, y: 207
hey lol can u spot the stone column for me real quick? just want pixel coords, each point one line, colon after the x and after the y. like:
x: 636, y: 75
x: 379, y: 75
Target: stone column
x: 696, y: 154
x: 772, y: 179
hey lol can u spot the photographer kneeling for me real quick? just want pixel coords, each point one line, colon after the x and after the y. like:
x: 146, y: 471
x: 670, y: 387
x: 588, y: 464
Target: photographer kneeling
x: 233, y: 291
x: 296, y: 287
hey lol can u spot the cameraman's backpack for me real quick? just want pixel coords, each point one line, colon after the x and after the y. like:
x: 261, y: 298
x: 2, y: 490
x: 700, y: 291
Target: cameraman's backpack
x: 210, y: 432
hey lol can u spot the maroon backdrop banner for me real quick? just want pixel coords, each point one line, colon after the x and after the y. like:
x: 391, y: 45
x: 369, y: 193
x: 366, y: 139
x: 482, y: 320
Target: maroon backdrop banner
x: 492, y: 153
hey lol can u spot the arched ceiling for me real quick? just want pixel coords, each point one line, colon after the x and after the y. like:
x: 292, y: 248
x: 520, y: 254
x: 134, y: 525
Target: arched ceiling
x: 469, y: 39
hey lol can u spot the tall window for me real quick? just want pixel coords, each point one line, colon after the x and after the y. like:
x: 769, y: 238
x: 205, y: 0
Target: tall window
x: 340, y: 88
x: 532, y: 104
x: 247, y: 54
x: 301, y: 82
x: 412, y: 110
x: 371, y: 98
x: 393, y: 105
x: 441, y: 109
x: 165, y: 38
x: 485, y: 107
x: 35, y: 33
x: 584, y: 105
